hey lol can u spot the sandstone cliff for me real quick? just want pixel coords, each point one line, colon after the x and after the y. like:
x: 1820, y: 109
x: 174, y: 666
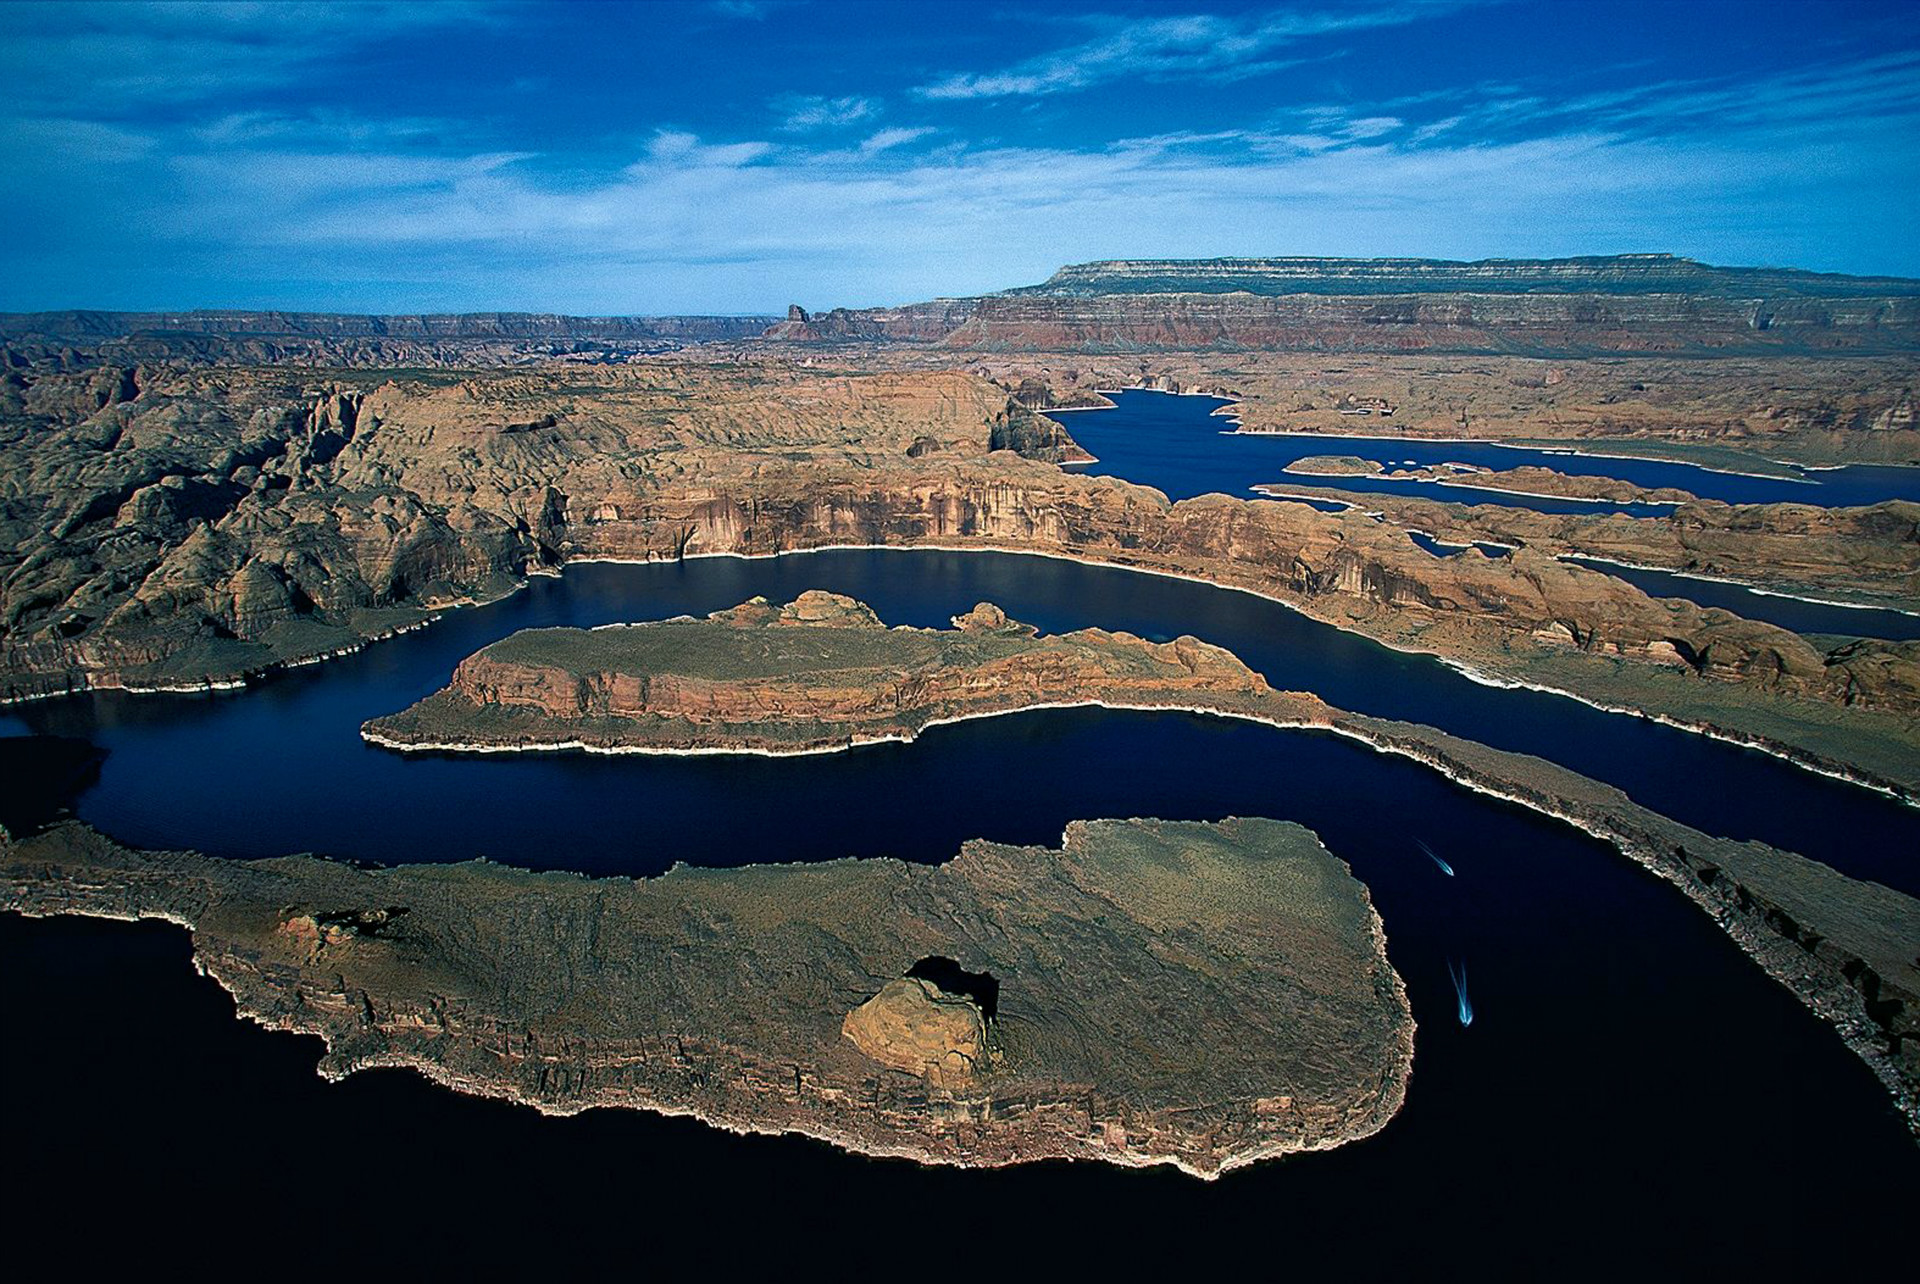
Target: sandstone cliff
x: 1535, y: 324
x: 205, y: 524
x: 1622, y: 303
x: 820, y: 672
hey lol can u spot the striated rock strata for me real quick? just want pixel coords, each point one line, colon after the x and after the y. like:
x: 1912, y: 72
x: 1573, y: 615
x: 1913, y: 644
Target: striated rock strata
x: 1525, y: 480
x: 1201, y: 995
x: 206, y: 525
x: 819, y: 673
x: 1536, y: 324
x: 1603, y: 304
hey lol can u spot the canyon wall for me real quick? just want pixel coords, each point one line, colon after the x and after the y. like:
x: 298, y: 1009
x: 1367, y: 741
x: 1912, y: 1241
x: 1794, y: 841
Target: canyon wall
x: 1521, y: 324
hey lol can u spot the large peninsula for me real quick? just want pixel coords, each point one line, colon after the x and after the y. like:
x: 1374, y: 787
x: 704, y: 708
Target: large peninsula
x: 1201, y: 995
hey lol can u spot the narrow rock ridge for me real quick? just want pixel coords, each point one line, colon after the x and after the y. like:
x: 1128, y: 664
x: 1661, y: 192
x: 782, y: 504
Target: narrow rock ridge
x: 1524, y: 480
x: 820, y: 673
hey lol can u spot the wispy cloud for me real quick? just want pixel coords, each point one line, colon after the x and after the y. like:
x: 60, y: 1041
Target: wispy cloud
x: 152, y: 159
x: 1161, y: 48
x: 897, y: 137
x: 698, y: 225
x: 804, y: 112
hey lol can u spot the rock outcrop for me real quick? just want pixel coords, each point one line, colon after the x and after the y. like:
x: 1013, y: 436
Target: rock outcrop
x: 915, y: 323
x: 916, y: 1027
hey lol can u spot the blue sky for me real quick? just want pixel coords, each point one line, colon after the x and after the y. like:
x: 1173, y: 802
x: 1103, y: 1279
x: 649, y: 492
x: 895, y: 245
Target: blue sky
x: 734, y: 156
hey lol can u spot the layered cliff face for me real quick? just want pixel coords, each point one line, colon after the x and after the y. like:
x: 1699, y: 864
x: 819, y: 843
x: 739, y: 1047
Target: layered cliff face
x: 1635, y: 303
x: 1591, y: 274
x: 1340, y: 566
x: 211, y: 523
x: 186, y: 524
x: 817, y: 673
x: 1541, y: 324
x: 73, y: 338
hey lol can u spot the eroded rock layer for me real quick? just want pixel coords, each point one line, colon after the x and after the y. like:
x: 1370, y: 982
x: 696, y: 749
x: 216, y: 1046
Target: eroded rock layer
x: 818, y: 673
x: 180, y: 528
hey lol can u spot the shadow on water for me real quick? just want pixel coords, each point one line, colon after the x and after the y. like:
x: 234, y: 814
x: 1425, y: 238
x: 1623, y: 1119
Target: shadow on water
x: 44, y: 776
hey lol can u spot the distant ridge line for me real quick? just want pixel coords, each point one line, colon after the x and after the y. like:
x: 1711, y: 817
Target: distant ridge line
x: 270, y: 323
x: 1614, y: 274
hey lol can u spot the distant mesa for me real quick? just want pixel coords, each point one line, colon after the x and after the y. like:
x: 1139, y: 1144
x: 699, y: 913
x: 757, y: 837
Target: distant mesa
x: 1623, y: 274
x: 1547, y: 307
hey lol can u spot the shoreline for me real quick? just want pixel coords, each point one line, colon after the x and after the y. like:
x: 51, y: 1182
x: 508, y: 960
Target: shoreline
x: 812, y: 750
x: 1785, y: 753
x: 1554, y: 450
x: 333, y: 1070
x: 1802, y: 759
x: 1488, y: 490
x: 1786, y: 961
x: 1579, y: 558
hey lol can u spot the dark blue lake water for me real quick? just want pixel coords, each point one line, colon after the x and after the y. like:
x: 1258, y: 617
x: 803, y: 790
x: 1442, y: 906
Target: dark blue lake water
x: 1178, y: 445
x: 1441, y: 548
x: 235, y: 775
x: 1631, y: 1086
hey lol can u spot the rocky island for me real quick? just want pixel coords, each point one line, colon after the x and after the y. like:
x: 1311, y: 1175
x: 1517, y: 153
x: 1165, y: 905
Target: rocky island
x: 820, y: 673
x: 1201, y: 995
x: 1524, y: 480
